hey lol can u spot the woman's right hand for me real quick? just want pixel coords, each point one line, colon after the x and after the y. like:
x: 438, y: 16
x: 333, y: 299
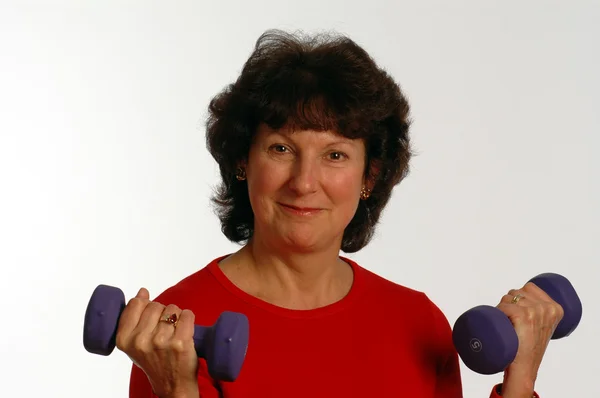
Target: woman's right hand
x: 164, y: 351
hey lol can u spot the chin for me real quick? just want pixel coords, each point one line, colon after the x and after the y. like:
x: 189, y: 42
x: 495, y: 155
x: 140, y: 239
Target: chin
x: 303, y: 242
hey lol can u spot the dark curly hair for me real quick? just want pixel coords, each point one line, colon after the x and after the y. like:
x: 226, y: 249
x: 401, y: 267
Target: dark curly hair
x: 321, y: 82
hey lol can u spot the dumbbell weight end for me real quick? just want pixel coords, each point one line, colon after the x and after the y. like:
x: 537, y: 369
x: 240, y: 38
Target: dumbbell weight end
x: 485, y: 339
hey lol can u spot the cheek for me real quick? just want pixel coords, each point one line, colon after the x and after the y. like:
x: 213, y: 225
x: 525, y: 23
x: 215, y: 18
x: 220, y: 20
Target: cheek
x: 344, y: 187
x: 263, y: 184
x: 265, y: 179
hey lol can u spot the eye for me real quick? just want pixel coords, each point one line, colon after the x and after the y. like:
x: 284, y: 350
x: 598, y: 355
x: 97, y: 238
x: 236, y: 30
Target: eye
x: 337, y: 155
x: 279, y: 148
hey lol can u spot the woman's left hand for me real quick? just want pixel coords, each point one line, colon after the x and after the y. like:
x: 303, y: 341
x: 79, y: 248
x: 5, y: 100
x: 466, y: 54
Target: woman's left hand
x: 534, y: 316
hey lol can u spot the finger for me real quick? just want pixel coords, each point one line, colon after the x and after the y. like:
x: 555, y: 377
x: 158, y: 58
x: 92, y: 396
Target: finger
x: 168, y: 320
x: 534, y: 290
x: 128, y: 320
x: 551, y: 309
x: 185, y: 325
x: 509, y: 298
x: 143, y: 293
x: 184, y: 333
x: 134, y: 309
x: 165, y: 327
x: 510, y: 310
x: 149, y: 318
x: 523, y: 318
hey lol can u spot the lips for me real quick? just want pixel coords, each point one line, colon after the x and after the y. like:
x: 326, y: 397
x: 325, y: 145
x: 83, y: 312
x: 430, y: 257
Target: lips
x: 304, y: 211
x: 301, y: 208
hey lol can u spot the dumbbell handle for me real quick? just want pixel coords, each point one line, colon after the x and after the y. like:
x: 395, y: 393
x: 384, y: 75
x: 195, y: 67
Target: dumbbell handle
x: 200, y: 334
x: 204, y: 336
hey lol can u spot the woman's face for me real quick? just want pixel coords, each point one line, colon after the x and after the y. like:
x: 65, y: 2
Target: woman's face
x: 304, y: 187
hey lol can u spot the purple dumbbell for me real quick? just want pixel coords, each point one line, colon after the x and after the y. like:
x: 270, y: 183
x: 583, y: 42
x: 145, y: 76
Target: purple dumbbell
x: 222, y: 345
x: 486, y: 340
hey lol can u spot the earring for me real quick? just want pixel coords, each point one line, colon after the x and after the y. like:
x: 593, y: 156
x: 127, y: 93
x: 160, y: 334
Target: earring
x: 240, y: 174
x: 365, y: 193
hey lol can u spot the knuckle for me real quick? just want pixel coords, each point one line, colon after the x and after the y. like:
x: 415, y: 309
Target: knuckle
x: 137, y: 302
x: 140, y: 345
x: 555, y: 311
x: 159, y: 341
x: 530, y: 314
x: 121, y: 342
x: 178, y: 346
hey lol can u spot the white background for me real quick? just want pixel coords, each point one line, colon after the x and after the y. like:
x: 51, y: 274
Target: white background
x: 105, y: 177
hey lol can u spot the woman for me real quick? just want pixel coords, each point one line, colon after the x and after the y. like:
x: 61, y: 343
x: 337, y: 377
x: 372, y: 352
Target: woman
x: 310, y: 140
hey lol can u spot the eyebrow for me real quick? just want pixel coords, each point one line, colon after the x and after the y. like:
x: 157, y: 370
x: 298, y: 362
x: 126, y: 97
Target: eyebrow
x: 338, y: 139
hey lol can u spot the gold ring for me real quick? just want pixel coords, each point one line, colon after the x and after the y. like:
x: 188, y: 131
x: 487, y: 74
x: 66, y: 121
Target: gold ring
x: 172, y: 319
x: 516, y: 299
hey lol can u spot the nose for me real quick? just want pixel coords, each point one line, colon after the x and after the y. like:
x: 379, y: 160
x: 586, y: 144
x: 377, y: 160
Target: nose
x: 304, y: 176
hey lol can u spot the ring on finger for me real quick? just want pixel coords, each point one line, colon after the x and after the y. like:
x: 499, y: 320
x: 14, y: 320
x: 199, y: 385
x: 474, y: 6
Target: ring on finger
x: 170, y: 318
x: 516, y: 299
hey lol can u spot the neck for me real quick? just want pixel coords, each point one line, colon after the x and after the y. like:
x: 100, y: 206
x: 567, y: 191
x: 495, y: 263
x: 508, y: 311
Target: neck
x: 297, y: 280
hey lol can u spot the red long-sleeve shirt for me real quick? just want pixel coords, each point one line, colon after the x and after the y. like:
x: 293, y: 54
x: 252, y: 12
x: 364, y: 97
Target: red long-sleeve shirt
x: 381, y: 340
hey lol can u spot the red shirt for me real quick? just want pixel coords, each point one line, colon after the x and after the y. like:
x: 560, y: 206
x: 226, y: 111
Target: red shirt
x: 381, y: 340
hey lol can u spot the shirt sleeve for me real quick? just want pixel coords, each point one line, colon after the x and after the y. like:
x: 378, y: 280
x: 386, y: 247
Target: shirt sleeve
x: 139, y: 386
x: 449, y: 383
x: 448, y: 380
x: 498, y: 387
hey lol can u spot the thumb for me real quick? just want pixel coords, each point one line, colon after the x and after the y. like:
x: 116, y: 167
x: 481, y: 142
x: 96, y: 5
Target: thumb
x: 143, y: 294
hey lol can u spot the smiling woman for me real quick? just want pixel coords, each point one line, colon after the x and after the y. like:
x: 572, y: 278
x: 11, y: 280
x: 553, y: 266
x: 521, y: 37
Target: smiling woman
x: 304, y: 187
x: 310, y: 141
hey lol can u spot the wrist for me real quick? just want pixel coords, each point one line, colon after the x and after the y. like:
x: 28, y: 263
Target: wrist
x: 498, y: 392
x: 517, y: 386
x: 183, y: 394
x: 190, y: 391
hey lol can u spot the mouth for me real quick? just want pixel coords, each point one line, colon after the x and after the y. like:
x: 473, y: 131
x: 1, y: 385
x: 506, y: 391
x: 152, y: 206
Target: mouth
x: 303, y: 211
